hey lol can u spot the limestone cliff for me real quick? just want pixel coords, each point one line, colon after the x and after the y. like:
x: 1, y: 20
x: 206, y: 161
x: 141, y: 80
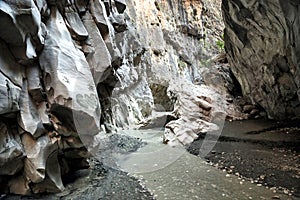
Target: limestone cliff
x: 74, y: 71
x: 263, y: 47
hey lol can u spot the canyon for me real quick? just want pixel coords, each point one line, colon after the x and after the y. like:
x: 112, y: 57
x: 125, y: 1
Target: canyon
x: 75, y: 72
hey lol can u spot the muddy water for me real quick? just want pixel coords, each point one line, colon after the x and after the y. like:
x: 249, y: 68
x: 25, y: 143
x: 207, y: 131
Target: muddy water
x: 163, y: 172
x: 172, y: 173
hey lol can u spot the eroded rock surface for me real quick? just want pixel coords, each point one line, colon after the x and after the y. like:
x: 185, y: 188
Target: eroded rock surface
x: 72, y: 72
x: 263, y: 47
x: 50, y: 111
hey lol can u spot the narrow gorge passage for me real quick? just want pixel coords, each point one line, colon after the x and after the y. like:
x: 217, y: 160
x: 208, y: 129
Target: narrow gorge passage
x: 164, y: 99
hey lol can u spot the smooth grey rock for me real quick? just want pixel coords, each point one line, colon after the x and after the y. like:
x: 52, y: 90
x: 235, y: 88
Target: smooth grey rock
x: 10, y: 95
x: 8, y: 21
x: 68, y: 80
x: 37, y: 152
x: 263, y: 50
x: 100, y: 16
x: 52, y: 182
x: 81, y: 5
x: 41, y: 5
x: 23, y: 32
x: 29, y: 118
x: 35, y: 87
x: 157, y: 40
x: 54, y: 172
x: 97, y: 54
x: 196, y: 110
x: 9, y: 67
x: 11, y: 81
x: 11, y: 151
x: 218, y: 77
x: 75, y: 24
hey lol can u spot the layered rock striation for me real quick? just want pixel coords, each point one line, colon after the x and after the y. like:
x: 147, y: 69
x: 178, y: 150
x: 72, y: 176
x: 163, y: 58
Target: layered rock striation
x: 263, y: 48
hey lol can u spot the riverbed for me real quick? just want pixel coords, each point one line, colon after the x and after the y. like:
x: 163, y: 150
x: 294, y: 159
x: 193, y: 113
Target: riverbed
x: 140, y: 166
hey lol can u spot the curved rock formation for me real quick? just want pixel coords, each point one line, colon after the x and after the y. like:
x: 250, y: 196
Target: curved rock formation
x: 263, y: 48
x: 50, y: 66
x: 73, y: 71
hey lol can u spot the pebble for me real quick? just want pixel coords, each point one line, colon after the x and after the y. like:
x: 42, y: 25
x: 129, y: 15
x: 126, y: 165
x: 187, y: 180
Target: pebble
x: 262, y: 176
x: 275, y: 197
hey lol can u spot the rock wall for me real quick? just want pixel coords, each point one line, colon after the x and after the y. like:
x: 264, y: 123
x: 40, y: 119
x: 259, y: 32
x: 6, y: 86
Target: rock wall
x: 73, y: 71
x: 180, y: 40
x: 50, y: 111
x: 263, y: 48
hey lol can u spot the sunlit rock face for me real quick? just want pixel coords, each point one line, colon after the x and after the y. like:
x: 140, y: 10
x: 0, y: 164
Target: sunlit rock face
x: 180, y: 38
x: 72, y: 72
x: 263, y: 47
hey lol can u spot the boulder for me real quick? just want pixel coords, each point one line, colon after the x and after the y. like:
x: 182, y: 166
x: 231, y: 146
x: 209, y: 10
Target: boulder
x: 196, y: 111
